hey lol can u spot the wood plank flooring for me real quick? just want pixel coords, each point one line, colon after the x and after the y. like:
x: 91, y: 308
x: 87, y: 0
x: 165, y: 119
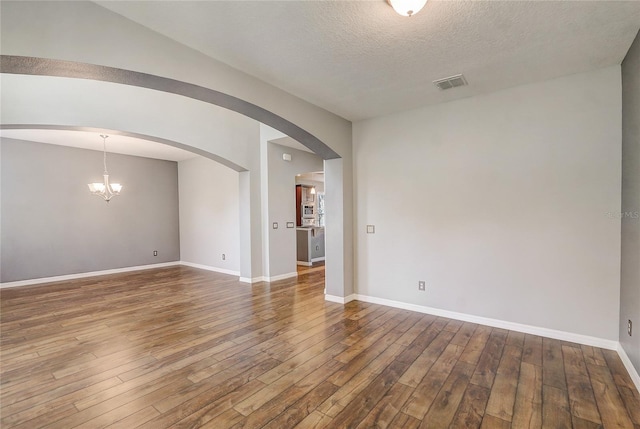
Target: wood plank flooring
x: 184, y: 348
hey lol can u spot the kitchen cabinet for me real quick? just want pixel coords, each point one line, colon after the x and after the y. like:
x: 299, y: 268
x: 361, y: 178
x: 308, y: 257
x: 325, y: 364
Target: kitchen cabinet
x: 298, y: 205
x: 310, y: 245
x: 317, y: 244
x: 304, y: 197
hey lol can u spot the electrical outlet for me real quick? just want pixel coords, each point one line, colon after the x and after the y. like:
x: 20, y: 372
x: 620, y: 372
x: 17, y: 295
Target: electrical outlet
x: 155, y: 253
x: 629, y: 326
x: 224, y: 257
x: 422, y: 285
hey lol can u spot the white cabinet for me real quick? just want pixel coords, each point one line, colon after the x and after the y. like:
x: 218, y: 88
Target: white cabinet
x: 307, y: 196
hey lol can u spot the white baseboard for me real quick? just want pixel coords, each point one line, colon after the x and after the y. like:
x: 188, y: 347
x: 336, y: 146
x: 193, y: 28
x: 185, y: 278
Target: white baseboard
x: 333, y: 298
x: 146, y: 267
x: 339, y: 299
x: 304, y: 263
x: 282, y: 277
x: 320, y: 259
x: 210, y: 268
x: 252, y: 279
x: 83, y: 275
x: 633, y: 373
x: 268, y: 279
x: 496, y: 323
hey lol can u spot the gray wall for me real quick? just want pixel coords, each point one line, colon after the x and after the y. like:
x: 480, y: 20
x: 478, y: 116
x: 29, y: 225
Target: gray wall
x: 630, y: 266
x: 500, y: 202
x: 52, y: 225
x: 209, y: 214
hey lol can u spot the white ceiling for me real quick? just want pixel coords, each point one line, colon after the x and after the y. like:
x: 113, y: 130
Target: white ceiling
x: 289, y: 142
x: 359, y: 59
x: 91, y: 140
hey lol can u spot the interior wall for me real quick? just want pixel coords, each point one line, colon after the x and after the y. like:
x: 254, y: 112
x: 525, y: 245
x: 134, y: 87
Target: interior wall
x: 209, y: 214
x: 630, y: 215
x: 500, y: 203
x: 59, y: 31
x: 282, y: 204
x: 52, y: 225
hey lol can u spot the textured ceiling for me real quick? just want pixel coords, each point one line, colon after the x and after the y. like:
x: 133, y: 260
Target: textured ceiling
x: 359, y: 59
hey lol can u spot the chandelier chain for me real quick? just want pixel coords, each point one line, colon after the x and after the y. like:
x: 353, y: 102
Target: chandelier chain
x: 104, y: 152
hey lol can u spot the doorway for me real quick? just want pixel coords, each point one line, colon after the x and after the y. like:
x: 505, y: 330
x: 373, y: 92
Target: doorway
x: 310, y: 222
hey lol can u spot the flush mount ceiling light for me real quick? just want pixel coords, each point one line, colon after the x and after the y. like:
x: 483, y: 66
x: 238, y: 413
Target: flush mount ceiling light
x: 105, y: 190
x: 407, y: 7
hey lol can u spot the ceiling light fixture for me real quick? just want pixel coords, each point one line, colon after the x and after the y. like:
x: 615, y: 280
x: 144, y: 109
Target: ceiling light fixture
x: 105, y: 190
x: 407, y: 7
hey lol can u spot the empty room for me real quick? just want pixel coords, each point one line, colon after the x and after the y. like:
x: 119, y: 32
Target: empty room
x: 320, y: 214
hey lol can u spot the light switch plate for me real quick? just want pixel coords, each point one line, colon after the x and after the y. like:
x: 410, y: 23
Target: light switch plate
x: 275, y: 225
x: 290, y: 224
x: 371, y: 229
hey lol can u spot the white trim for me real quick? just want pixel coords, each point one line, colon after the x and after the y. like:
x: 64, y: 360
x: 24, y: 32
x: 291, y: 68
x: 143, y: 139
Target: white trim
x: 633, y: 373
x: 83, y: 275
x: 252, y: 279
x: 320, y: 259
x: 305, y: 263
x: 282, y: 277
x: 496, y: 323
x: 339, y: 299
x: 268, y: 279
x: 210, y: 268
x: 333, y: 298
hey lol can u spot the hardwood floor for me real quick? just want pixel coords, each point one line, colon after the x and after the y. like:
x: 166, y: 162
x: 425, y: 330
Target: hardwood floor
x: 184, y: 348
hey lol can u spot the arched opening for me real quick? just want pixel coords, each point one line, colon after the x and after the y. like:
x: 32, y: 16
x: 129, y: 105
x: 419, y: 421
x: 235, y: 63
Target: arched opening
x: 250, y: 184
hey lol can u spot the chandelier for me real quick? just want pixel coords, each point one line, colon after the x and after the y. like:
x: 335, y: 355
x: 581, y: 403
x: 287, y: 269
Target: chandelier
x: 105, y: 190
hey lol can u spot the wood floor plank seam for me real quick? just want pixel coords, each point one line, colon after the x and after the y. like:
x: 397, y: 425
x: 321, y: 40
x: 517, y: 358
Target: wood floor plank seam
x: 180, y: 347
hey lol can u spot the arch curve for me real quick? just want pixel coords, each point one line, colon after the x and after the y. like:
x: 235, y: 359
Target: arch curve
x: 13, y: 64
x: 193, y: 149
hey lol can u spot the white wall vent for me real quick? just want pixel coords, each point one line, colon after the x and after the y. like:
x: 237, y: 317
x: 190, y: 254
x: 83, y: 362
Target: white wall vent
x: 450, y: 82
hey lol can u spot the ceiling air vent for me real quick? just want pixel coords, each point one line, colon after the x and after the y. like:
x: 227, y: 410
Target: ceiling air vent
x: 450, y: 82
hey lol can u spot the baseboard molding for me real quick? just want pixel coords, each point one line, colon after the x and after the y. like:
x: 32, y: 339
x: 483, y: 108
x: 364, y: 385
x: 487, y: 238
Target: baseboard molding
x: 339, y: 299
x: 148, y: 267
x: 41, y: 280
x: 320, y: 259
x: 268, y: 279
x: 282, y: 277
x: 252, y: 279
x: 304, y: 263
x: 633, y: 372
x: 496, y: 323
x: 209, y: 268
